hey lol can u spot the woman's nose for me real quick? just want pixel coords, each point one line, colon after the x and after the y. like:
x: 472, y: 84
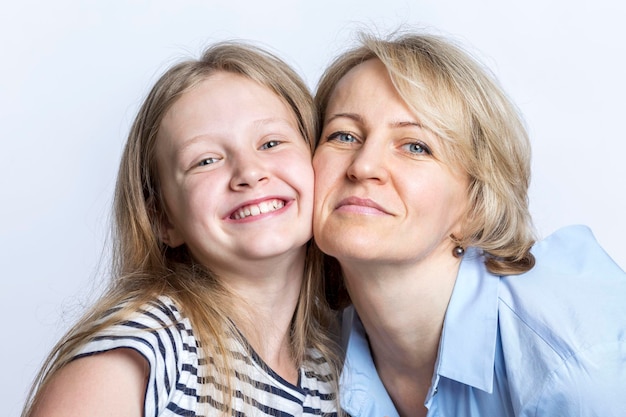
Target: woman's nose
x: 369, y: 162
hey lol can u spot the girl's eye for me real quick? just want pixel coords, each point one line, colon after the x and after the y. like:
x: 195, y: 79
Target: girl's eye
x: 207, y: 161
x: 342, y: 137
x: 270, y: 144
x: 417, y: 148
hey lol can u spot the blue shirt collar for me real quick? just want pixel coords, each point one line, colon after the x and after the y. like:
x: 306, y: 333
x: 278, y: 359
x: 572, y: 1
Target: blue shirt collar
x: 359, y: 373
x: 468, y: 341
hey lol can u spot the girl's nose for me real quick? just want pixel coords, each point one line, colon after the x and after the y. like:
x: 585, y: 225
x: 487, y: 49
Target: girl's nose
x: 249, y: 172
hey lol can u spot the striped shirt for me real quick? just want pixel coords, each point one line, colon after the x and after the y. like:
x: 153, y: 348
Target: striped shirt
x: 166, y: 340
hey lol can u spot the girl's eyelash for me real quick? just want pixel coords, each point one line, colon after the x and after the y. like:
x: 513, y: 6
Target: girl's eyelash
x: 273, y: 143
x: 205, y: 161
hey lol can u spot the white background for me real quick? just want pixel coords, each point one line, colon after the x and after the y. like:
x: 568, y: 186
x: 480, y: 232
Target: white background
x: 73, y: 73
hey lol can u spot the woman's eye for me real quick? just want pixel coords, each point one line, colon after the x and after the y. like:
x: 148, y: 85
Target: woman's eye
x: 207, y: 161
x: 417, y: 148
x: 342, y: 137
x: 270, y: 144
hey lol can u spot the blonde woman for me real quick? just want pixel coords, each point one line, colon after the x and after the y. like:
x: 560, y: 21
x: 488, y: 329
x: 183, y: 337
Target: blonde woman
x: 422, y: 172
x: 215, y: 307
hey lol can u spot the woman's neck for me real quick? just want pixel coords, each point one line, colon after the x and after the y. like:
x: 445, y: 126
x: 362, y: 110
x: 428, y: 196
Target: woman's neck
x: 402, y: 307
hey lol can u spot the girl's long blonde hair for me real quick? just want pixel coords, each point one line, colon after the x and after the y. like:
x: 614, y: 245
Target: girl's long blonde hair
x: 144, y: 267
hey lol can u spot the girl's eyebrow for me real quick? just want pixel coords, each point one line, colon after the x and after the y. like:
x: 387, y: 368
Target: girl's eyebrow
x: 271, y: 120
x: 255, y: 124
x: 189, y: 143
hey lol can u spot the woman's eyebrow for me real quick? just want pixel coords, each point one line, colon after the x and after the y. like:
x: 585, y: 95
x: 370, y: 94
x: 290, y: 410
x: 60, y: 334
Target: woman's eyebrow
x: 406, y: 124
x: 357, y: 118
x: 352, y: 116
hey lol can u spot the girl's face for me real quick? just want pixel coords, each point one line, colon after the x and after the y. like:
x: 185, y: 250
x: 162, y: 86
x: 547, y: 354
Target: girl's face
x: 235, y: 174
x: 381, y: 193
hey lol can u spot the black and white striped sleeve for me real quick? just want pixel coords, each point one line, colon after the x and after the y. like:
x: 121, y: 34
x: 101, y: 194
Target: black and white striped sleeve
x: 155, y: 331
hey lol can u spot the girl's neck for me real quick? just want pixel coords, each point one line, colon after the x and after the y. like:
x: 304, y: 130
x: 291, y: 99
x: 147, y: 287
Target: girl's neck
x: 268, y: 300
x: 265, y: 322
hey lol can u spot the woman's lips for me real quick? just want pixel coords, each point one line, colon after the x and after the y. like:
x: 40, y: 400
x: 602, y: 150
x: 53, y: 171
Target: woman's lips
x: 360, y: 205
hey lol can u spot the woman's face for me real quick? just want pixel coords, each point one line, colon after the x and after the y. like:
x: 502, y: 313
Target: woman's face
x: 235, y: 174
x: 381, y: 193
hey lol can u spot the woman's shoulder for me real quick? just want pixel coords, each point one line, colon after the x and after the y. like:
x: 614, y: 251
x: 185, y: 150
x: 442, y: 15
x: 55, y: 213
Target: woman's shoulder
x: 560, y: 246
x: 566, y: 313
x: 574, y: 285
x: 570, y: 254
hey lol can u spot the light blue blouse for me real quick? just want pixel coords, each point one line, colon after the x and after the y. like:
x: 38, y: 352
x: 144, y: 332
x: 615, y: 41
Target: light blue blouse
x: 550, y: 342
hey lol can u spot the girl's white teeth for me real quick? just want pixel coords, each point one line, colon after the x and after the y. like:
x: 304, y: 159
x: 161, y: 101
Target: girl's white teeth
x: 256, y: 209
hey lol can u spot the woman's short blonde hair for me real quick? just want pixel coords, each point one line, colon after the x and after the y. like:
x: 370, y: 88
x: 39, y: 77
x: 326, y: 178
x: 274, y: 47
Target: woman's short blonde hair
x: 482, y: 131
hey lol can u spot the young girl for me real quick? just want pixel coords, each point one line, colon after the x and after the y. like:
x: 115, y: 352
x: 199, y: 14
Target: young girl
x: 215, y: 308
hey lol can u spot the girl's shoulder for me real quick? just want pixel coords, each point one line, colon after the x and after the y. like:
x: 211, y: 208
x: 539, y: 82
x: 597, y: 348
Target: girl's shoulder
x: 163, y: 336
x: 154, y: 329
x: 158, y: 313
